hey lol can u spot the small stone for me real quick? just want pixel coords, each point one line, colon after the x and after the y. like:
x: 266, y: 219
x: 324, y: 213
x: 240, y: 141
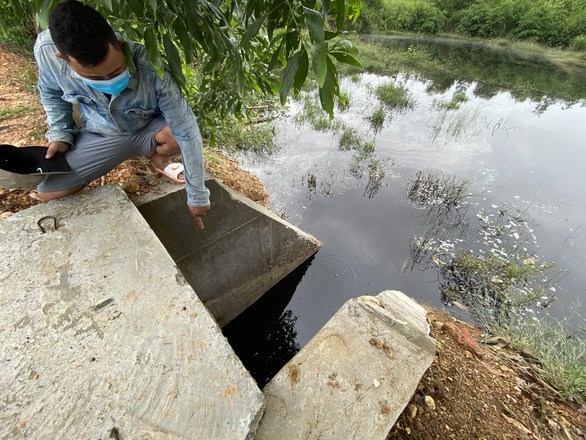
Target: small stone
x: 372, y: 341
x: 408, y: 430
x: 464, y: 338
x: 411, y: 411
x: 429, y: 403
x: 437, y: 324
x: 376, y: 383
x: 132, y: 187
x: 387, y: 346
x: 468, y: 354
x: 379, y: 344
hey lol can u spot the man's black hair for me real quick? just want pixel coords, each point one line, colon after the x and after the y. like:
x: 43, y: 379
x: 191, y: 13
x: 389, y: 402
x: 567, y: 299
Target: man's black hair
x: 80, y: 32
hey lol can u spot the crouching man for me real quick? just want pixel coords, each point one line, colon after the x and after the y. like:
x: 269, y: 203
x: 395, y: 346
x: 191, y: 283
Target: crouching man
x: 126, y: 108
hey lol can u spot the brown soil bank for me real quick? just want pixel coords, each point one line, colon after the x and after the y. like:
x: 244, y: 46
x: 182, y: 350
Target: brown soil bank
x: 469, y: 392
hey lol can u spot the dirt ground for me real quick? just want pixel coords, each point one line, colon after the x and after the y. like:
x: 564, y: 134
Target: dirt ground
x: 464, y: 395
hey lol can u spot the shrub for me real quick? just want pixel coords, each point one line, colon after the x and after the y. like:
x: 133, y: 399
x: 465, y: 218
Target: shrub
x: 414, y: 15
x: 578, y: 43
x: 400, y: 15
x: 492, y: 19
x: 547, y: 22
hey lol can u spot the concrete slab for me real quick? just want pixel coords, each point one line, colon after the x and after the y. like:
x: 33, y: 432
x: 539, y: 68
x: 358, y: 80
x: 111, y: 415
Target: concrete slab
x: 243, y: 251
x: 99, y: 330
x: 355, y: 377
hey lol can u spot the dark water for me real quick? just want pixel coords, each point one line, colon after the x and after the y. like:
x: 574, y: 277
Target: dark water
x: 522, y: 155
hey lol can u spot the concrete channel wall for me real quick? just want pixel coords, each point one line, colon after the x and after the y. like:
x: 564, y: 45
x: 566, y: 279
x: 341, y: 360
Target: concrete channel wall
x: 243, y: 251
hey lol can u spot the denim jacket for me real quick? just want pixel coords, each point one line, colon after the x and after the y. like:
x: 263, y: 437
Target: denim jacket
x: 146, y: 96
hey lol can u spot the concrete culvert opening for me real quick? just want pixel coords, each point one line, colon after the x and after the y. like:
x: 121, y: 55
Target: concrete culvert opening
x: 244, y: 266
x: 243, y: 251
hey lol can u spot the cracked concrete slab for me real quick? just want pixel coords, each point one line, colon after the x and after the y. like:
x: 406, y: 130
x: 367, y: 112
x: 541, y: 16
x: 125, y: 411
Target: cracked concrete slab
x: 99, y: 330
x: 355, y: 377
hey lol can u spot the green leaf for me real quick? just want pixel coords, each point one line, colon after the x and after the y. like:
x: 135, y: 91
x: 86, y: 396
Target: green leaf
x: 108, y: 5
x: 236, y: 65
x: 289, y: 76
x: 353, y: 10
x: 281, y: 35
x: 346, y: 58
x: 340, y: 13
x: 185, y: 39
x: 173, y: 58
x: 275, y: 57
x: 128, y: 57
x: 343, y: 45
x: 136, y: 6
x: 153, y: 53
x: 18, y: 10
x: 302, y: 70
x: 154, y: 4
x: 42, y: 17
x: 252, y: 30
x: 326, y: 95
x: 330, y: 35
x: 315, y: 23
x: 325, y: 8
x: 318, y: 61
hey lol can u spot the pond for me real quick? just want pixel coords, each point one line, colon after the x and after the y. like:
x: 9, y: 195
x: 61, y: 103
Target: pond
x: 378, y: 195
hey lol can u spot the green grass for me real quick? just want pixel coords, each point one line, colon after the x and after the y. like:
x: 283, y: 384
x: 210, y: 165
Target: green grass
x: 562, y: 355
x: 11, y: 113
x: 578, y: 44
x: 234, y: 136
x: 502, y: 294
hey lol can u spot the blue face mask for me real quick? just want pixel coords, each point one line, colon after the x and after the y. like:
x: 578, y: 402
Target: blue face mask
x: 112, y: 86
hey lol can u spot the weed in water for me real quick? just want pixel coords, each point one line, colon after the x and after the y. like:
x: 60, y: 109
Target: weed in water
x: 456, y: 125
x: 365, y: 163
x: 437, y: 189
x: 377, y: 118
x: 500, y: 283
x: 460, y: 97
x: 349, y: 139
x: 311, y: 112
x: 355, y: 78
x: 454, y: 104
x: 394, y: 97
